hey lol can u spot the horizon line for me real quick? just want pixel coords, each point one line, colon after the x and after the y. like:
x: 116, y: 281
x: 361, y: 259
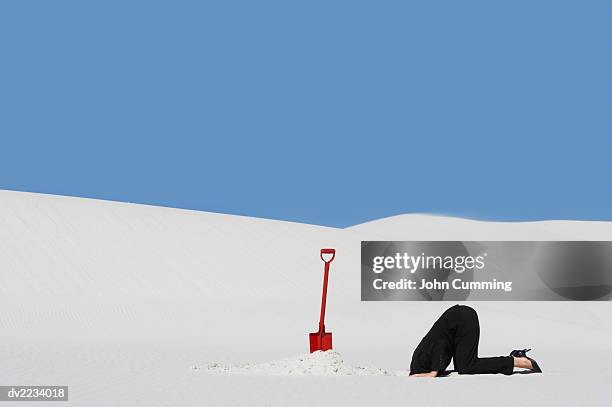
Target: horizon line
x: 370, y: 220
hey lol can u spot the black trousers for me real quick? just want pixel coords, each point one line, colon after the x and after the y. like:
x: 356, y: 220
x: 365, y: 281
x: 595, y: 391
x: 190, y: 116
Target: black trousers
x: 463, y: 322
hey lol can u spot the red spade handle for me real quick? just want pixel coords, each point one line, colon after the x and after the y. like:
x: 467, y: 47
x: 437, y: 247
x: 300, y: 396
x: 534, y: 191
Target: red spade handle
x: 328, y: 251
x: 325, y: 278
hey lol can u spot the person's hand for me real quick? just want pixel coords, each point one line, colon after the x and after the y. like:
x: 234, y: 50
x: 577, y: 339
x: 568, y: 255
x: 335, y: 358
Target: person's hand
x: 433, y: 373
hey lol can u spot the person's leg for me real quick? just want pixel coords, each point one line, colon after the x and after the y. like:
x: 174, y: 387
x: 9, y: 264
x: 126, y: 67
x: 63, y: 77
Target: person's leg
x: 466, y: 347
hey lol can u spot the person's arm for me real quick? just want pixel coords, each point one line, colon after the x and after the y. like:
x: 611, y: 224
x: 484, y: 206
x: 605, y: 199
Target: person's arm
x: 440, y: 357
x: 430, y: 374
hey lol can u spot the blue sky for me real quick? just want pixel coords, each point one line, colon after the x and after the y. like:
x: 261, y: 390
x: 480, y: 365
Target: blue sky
x: 328, y: 112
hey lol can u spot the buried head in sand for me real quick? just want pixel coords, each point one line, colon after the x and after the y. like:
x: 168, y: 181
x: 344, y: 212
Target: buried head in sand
x: 455, y: 335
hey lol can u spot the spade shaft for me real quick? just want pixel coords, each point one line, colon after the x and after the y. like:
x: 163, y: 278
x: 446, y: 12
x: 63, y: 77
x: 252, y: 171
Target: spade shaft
x: 324, y: 298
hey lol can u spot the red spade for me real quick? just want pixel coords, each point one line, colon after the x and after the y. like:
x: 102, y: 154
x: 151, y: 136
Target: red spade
x: 322, y: 340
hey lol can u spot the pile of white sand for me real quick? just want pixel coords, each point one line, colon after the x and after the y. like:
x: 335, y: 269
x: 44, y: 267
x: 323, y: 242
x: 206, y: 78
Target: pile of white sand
x: 328, y: 363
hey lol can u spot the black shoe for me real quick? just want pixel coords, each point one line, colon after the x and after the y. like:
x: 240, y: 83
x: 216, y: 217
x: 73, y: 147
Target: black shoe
x: 519, y: 353
x: 523, y: 354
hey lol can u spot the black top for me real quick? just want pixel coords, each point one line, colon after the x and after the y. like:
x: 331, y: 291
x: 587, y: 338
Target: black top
x: 435, y: 350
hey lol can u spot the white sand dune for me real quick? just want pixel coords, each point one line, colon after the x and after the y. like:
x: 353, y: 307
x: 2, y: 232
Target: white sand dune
x: 120, y: 301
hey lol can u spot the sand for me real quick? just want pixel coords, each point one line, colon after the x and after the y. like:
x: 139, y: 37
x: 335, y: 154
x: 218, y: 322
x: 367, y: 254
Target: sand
x: 131, y: 305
